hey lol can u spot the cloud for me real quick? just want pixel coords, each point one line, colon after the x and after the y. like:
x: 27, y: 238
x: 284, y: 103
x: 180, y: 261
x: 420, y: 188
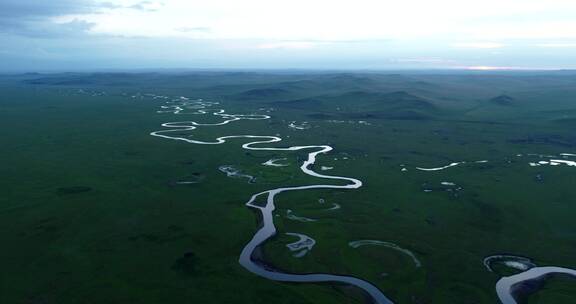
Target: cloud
x: 290, y: 45
x: 505, y: 68
x: 259, y: 33
x: 424, y: 60
x: 197, y: 29
x: 38, y: 19
x: 557, y: 45
x: 43, y: 29
x: 150, y: 6
x: 146, y: 5
x: 478, y: 45
x: 15, y: 9
x: 33, y: 18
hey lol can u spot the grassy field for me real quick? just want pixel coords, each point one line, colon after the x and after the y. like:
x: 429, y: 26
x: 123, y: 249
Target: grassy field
x: 91, y: 210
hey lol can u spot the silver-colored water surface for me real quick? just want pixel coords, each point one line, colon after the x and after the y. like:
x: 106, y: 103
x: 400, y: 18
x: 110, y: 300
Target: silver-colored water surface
x: 268, y: 229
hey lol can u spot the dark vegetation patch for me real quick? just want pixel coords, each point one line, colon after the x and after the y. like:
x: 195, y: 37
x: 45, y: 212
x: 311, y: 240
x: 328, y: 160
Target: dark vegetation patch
x: 567, y: 121
x: 554, y: 140
x: 158, y: 238
x: 189, y: 180
x: 131, y: 153
x: 320, y: 116
x: 72, y: 190
x: 430, y: 221
x: 172, y: 233
x: 49, y: 225
x: 187, y: 264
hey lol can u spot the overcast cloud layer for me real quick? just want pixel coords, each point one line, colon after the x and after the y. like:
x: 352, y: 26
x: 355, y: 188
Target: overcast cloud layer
x: 364, y: 34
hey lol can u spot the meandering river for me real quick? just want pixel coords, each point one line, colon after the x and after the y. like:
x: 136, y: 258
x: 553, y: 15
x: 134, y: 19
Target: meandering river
x: 258, y: 142
x: 507, y: 288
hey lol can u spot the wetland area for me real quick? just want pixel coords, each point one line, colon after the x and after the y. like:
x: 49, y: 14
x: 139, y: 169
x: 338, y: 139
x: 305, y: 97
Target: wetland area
x: 288, y: 187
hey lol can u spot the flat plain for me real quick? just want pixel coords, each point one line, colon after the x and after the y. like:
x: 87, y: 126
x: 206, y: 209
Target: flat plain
x: 456, y: 167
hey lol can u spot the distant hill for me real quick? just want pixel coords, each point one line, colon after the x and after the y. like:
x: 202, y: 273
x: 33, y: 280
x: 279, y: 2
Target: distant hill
x: 361, y: 104
x: 398, y: 99
x: 267, y: 93
x: 363, y: 100
x: 503, y: 100
x: 92, y: 79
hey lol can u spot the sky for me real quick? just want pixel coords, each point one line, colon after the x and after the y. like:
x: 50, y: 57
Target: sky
x: 71, y: 35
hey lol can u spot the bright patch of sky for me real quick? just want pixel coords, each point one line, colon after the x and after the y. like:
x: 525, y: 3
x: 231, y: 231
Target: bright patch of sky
x: 334, y: 34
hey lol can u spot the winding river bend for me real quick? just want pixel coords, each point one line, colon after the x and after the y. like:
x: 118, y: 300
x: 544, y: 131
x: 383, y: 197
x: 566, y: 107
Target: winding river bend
x: 267, y: 230
x: 510, y: 288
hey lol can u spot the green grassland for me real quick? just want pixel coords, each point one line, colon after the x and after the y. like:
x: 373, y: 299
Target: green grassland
x: 90, y: 210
